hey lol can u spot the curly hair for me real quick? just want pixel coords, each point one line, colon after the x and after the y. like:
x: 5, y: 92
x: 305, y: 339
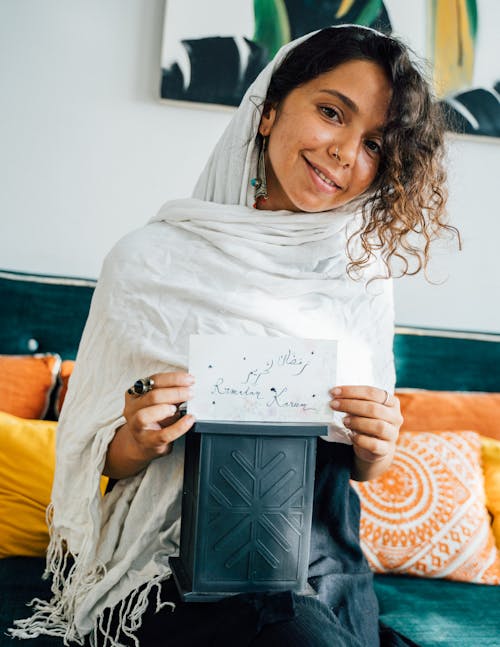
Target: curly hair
x: 404, y: 209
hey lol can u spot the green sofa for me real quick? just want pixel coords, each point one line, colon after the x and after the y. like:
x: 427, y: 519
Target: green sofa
x: 47, y: 314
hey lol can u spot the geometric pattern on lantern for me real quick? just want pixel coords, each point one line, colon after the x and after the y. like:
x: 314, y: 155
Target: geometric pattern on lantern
x: 426, y: 516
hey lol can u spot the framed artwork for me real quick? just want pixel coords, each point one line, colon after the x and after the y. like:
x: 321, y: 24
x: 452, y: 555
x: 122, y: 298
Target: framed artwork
x: 212, y: 51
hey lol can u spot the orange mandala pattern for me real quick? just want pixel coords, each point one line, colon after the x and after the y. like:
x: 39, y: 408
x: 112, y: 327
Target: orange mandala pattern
x: 426, y: 515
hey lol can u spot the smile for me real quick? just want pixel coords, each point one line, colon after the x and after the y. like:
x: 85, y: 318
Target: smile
x: 326, y: 181
x: 324, y: 178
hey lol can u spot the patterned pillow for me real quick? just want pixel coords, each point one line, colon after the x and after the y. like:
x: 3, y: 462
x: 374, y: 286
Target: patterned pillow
x: 426, y: 515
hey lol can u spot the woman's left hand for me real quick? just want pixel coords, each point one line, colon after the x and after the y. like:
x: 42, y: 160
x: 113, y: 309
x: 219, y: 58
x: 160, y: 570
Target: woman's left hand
x: 375, y: 418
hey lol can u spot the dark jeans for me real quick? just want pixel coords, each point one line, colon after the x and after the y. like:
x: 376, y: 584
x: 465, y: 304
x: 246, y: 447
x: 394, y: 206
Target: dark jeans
x: 249, y: 620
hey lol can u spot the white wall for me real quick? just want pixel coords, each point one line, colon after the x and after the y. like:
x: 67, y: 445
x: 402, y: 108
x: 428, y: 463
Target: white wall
x: 87, y: 152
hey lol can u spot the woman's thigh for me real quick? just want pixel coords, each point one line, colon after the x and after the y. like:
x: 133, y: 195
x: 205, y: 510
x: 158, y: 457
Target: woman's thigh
x: 312, y: 625
x: 249, y: 620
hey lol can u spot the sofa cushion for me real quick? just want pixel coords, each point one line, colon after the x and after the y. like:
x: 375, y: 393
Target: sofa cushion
x: 438, y: 410
x: 27, y: 461
x: 426, y: 514
x: 436, y: 613
x: 27, y: 458
x: 42, y: 313
x: 20, y: 582
x: 447, y: 360
x: 26, y: 383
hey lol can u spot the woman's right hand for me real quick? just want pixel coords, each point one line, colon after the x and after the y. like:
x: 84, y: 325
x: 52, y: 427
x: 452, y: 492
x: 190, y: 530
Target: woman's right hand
x: 153, y: 423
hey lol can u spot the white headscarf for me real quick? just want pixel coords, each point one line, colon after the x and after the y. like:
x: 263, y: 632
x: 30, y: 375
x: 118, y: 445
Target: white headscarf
x: 210, y: 264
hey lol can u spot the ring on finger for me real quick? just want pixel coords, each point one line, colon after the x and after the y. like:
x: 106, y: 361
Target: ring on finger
x: 387, y: 396
x: 141, y: 386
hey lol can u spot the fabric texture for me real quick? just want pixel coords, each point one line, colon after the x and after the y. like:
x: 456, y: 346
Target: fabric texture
x: 426, y: 515
x: 338, y: 569
x: 249, y: 620
x: 42, y: 312
x: 27, y: 457
x: 490, y: 450
x: 210, y: 264
x: 439, y: 410
x: 26, y: 382
x: 27, y: 463
x: 21, y: 581
x: 440, y: 613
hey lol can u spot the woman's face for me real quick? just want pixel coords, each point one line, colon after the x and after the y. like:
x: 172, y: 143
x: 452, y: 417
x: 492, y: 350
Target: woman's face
x: 325, y: 139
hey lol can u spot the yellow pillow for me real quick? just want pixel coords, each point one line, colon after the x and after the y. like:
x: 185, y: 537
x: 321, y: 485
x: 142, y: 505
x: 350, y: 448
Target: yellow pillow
x: 27, y: 460
x: 491, y: 470
x: 426, y: 516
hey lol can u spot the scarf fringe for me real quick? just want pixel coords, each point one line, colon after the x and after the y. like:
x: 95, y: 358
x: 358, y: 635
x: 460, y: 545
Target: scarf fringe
x: 70, y: 584
x: 55, y: 617
x: 129, y: 615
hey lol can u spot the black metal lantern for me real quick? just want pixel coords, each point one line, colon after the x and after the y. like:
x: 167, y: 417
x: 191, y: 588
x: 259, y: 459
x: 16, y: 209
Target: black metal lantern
x: 246, y: 508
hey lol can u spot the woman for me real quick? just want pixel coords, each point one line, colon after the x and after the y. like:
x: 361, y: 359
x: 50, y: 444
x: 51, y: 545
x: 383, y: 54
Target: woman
x: 328, y: 173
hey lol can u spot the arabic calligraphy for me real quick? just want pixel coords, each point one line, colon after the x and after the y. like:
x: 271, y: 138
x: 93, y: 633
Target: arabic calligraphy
x: 262, y: 378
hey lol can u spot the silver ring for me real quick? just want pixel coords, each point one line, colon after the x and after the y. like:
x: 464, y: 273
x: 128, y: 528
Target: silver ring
x: 336, y: 154
x: 387, y: 396
x: 141, y: 386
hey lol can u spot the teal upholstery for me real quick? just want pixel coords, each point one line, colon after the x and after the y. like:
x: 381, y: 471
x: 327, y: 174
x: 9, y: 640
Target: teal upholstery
x: 43, y: 314
x: 443, y: 360
x: 52, y: 310
x: 438, y: 613
x: 20, y: 582
x: 433, y: 613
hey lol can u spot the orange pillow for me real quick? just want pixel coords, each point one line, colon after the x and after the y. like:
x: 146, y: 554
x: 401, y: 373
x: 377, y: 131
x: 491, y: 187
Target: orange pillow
x: 426, y: 516
x: 64, y: 375
x: 491, y: 470
x: 26, y: 382
x: 437, y: 410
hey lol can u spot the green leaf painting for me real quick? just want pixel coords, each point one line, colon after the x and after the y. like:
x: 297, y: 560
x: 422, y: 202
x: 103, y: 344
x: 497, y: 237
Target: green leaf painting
x: 272, y: 29
x: 452, y: 30
x: 218, y: 69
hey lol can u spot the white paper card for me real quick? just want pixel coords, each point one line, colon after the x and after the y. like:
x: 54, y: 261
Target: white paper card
x: 262, y: 379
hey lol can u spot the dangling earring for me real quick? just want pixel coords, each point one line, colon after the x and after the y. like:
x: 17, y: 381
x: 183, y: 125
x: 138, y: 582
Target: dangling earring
x: 260, y: 182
